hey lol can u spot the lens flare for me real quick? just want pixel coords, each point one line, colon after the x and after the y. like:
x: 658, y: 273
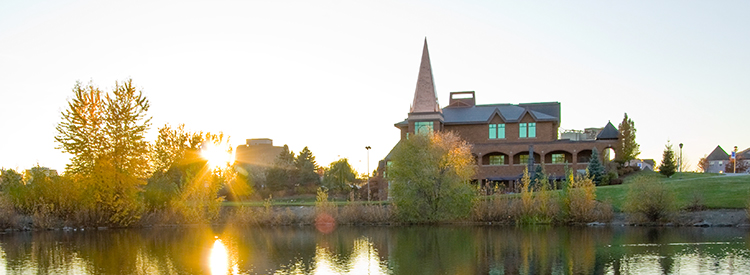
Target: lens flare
x: 216, y: 156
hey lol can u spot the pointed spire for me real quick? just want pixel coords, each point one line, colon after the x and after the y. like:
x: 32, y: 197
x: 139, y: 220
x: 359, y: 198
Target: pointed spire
x: 425, y: 99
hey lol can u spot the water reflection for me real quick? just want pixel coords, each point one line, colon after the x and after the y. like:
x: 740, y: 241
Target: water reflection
x: 220, y: 261
x: 403, y: 250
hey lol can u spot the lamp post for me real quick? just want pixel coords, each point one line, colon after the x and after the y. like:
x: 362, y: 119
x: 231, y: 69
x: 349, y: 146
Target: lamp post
x: 734, y: 159
x: 368, y: 172
x: 680, y: 157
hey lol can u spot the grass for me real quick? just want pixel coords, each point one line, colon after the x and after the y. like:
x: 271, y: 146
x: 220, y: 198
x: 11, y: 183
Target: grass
x: 715, y: 190
x: 294, y: 202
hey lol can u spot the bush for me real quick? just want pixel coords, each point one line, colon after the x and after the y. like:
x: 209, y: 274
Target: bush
x: 579, y: 199
x: 649, y: 200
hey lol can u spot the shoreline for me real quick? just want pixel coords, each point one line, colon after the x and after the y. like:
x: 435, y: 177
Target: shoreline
x: 703, y: 218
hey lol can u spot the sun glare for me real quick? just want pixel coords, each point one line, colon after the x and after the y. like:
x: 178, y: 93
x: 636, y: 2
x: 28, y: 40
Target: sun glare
x: 216, y: 156
x: 219, y: 259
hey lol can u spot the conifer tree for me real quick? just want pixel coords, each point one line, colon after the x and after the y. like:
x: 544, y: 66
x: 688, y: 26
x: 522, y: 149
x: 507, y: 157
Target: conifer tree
x: 628, y: 149
x: 305, y: 167
x: 280, y: 175
x: 668, y: 165
x: 596, y: 169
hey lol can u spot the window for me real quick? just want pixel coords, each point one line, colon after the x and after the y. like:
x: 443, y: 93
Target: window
x: 497, y: 160
x: 497, y: 131
x: 532, y: 129
x: 423, y: 127
x: 527, y: 130
x: 523, y: 159
x: 558, y: 158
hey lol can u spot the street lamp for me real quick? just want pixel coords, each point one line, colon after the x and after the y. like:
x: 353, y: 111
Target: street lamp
x: 680, y: 157
x: 368, y: 172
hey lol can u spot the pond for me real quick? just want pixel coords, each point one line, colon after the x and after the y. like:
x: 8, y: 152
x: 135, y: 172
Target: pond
x: 379, y: 250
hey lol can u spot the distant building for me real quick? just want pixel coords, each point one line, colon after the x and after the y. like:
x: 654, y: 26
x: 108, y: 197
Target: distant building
x: 505, y: 138
x: 257, y: 152
x: 643, y: 164
x: 717, y: 160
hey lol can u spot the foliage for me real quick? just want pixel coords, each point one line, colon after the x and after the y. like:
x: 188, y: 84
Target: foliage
x: 668, y: 165
x: 649, y: 200
x: 171, y: 144
x: 628, y: 149
x: 42, y: 192
x: 339, y: 175
x: 430, y: 176
x: 703, y: 164
x: 106, y: 137
x: 579, y: 198
x: 596, y: 168
x: 742, y: 166
x: 323, y: 205
x: 732, y: 194
x: 9, y: 177
x: 305, y: 168
x: 537, y: 203
x: 280, y: 175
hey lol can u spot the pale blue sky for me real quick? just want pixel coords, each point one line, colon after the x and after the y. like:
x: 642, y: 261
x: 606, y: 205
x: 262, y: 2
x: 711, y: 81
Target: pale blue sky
x: 336, y: 75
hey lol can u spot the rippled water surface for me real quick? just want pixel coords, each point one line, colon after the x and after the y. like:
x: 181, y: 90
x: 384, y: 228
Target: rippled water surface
x: 379, y: 250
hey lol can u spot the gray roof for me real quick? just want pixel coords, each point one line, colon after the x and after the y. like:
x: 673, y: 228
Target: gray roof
x: 744, y: 154
x: 509, y: 113
x: 718, y: 154
x: 609, y: 132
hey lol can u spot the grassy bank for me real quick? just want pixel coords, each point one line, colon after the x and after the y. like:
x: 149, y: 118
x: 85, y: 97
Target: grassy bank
x: 714, y: 191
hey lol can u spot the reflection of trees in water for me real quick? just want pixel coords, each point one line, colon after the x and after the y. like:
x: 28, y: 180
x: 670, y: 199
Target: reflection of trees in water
x: 399, y: 250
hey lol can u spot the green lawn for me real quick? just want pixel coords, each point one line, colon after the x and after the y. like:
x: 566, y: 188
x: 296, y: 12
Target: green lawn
x: 715, y: 190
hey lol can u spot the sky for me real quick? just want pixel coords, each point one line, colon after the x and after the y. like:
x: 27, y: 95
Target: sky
x: 336, y: 75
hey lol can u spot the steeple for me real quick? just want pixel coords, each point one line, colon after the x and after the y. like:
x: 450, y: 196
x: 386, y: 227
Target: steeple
x: 425, y: 100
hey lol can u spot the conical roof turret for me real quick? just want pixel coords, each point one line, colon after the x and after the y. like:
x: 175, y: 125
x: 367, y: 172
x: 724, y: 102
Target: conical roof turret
x: 425, y: 99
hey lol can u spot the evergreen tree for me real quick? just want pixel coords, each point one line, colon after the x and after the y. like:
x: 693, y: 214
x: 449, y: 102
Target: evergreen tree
x: 305, y: 168
x: 628, y: 149
x: 280, y: 175
x: 596, y: 169
x: 668, y: 165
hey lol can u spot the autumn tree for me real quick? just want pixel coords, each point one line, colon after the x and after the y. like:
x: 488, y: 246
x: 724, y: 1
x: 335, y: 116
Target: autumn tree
x: 668, y: 165
x: 105, y: 133
x: 430, y: 176
x: 628, y: 149
x: 703, y: 164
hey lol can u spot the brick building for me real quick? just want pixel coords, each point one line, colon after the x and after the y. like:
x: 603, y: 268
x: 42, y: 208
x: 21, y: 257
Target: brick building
x: 504, y: 137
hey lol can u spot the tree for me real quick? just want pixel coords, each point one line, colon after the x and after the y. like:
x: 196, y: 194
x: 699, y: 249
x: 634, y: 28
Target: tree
x: 742, y: 166
x: 305, y: 167
x: 703, y: 164
x: 430, y: 176
x: 280, y: 174
x: 596, y: 169
x: 339, y: 175
x: 110, y: 154
x: 628, y: 149
x: 668, y: 165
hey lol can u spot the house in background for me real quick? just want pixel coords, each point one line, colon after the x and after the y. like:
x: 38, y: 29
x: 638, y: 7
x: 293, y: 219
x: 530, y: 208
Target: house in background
x: 717, y: 160
x: 505, y: 138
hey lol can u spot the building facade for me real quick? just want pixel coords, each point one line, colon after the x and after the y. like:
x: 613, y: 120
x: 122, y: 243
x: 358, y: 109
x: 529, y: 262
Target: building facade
x: 505, y: 138
x: 717, y: 160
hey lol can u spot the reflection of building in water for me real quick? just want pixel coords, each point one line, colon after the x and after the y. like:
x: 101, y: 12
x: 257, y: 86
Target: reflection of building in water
x: 258, y: 152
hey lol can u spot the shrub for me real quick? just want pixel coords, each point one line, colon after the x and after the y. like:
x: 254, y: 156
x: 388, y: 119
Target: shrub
x: 579, y: 199
x: 649, y: 200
